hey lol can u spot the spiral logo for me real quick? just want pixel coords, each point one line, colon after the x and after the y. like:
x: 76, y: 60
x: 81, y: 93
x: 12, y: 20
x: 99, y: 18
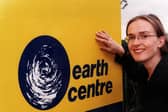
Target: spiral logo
x: 44, y: 72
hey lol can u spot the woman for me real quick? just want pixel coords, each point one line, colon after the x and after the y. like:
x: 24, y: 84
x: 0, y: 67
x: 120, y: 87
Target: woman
x: 147, y: 45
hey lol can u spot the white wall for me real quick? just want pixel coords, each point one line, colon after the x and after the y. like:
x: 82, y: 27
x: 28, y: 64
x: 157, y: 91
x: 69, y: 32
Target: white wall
x: 136, y: 7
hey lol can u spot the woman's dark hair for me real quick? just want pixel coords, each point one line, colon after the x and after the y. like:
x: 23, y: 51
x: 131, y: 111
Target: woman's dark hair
x: 157, y: 25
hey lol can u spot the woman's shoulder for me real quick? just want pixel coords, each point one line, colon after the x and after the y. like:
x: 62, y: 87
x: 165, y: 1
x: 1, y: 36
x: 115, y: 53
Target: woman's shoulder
x: 164, y: 60
x: 162, y: 67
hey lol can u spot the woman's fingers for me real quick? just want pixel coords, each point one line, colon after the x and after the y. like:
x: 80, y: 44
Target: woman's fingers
x: 107, y: 44
x: 101, y: 40
x: 102, y: 35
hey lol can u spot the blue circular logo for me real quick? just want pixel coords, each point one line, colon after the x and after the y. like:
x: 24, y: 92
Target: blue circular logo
x: 44, y: 72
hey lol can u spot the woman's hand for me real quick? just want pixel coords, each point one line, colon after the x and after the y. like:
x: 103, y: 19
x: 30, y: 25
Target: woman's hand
x: 107, y: 44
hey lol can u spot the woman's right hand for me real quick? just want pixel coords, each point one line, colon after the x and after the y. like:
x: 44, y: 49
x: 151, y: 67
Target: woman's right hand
x: 107, y: 44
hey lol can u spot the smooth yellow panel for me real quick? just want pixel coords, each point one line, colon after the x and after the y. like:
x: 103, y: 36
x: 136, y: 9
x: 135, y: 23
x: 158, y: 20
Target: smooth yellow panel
x: 73, y: 23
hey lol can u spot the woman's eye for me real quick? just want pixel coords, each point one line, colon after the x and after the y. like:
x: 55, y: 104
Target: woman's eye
x: 144, y: 36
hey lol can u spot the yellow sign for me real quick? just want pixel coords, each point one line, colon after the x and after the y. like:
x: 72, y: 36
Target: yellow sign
x: 49, y: 57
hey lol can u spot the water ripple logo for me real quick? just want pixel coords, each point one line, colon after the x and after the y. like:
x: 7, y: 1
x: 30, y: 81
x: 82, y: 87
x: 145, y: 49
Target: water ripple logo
x: 44, y: 72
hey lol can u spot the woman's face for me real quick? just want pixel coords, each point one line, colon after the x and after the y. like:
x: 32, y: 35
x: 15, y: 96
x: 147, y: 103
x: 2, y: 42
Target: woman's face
x: 143, y: 43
